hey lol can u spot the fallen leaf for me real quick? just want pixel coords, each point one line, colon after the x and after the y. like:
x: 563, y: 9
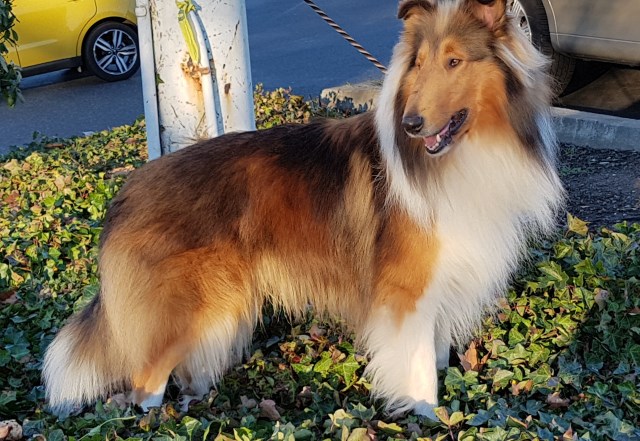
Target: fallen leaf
x: 8, y: 297
x: 469, y: 359
x: 120, y: 171
x: 414, y: 428
x: 10, y: 430
x: 372, y: 433
x: 555, y: 401
x: 121, y: 401
x: 306, y: 392
x: 248, y: 403
x: 523, y: 386
x: 569, y: 435
x: 148, y: 420
x: 601, y: 298
x: 268, y: 408
x: 316, y: 332
x: 59, y: 183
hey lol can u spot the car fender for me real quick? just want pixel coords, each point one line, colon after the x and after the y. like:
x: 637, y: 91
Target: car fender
x: 107, y: 10
x: 553, y: 25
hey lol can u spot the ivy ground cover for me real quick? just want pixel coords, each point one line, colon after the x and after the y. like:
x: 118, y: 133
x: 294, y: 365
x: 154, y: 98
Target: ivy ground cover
x: 559, y: 361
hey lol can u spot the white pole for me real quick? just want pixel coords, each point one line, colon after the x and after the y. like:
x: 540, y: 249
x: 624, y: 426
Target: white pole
x: 180, y: 92
x: 226, y: 24
x: 147, y: 70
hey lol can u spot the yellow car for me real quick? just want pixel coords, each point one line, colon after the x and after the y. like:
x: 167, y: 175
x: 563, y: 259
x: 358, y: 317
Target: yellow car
x: 99, y: 35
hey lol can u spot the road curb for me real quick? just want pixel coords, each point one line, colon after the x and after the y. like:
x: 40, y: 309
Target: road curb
x: 596, y: 130
x: 575, y: 127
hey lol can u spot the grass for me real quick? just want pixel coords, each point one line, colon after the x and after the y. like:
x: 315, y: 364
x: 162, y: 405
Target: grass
x: 559, y: 361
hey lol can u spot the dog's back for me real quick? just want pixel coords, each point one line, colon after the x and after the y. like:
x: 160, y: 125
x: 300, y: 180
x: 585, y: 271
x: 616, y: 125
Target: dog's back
x: 197, y: 241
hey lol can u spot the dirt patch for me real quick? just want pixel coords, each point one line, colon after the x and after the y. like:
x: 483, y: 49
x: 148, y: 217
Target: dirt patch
x: 603, y: 186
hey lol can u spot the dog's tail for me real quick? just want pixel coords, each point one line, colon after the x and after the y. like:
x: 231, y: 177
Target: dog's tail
x: 82, y: 363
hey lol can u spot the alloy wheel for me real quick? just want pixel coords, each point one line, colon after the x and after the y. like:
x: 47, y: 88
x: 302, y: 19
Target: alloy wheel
x: 517, y: 11
x: 115, y: 52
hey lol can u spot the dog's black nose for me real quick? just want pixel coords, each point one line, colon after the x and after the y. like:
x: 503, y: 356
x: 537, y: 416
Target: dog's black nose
x: 412, y: 123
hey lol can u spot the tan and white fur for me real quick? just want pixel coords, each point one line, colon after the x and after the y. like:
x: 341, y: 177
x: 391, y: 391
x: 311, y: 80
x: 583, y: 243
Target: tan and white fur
x: 407, y: 223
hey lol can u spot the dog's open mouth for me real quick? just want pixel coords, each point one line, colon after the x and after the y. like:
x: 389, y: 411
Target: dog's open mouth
x: 436, y: 143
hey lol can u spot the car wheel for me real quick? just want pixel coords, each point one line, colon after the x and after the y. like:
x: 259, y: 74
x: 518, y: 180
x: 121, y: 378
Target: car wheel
x: 531, y: 18
x: 111, y: 51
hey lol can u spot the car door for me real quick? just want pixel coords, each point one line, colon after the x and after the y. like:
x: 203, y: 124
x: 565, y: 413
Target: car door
x: 48, y: 30
x: 599, y: 29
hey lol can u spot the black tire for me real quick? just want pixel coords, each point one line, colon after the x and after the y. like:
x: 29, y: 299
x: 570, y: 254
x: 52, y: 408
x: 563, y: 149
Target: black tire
x: 562, y: 66
x: 111, y: 52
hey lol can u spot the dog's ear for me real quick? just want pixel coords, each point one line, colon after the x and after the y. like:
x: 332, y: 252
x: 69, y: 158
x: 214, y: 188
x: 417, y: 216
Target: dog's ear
x: 493, y: 13
x: 408, y: 7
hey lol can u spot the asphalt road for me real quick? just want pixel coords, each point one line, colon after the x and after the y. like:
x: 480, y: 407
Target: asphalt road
x: 290, y: 47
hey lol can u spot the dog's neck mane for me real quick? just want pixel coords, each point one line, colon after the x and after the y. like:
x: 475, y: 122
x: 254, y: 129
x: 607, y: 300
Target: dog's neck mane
x: 486, y: 193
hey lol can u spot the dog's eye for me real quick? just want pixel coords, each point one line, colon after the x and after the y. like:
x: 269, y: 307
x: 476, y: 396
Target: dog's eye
x: 453, y: 62
x: 414, y: 61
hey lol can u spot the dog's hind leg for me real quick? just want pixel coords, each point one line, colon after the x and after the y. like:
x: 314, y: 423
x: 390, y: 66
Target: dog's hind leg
x: 221, y: 344
x: 186, y: 309
x: 227, y: 314
x: 150, y: 383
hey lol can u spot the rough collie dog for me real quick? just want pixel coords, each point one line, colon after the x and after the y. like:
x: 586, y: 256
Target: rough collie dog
x: 407, y: 223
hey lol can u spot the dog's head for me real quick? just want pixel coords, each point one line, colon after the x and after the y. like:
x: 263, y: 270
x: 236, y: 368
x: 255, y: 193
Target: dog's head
x: 453, y: 78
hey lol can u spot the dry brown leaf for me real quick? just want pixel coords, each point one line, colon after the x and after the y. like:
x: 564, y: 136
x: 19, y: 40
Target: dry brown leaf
x: 306, y: 392
x: 268, y: 409
x: 10, y: 430
x: 372, y: 433
x: 472, y: 356
x: 316, y: 331
x: 8, y: 297
x: 601, y: 298
x: 556, y: 401
x: 59, y: 183
x: 414, y: 428
x: 248, y: 403
x: 120, y: 171
x: 469, y: 359
x: 522, y: 386
x: 121, y: 401
x: 569, y: 435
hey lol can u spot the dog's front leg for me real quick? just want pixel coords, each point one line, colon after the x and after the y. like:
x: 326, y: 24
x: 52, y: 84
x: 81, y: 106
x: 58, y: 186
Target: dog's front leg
x: 423, y: 375
x: 403, y: 361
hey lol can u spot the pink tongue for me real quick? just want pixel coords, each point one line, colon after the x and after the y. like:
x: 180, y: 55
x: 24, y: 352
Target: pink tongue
x: 431, y: 142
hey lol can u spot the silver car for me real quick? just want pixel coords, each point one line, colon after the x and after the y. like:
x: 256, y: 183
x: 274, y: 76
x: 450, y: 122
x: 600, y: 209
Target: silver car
x: 605, y: 30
